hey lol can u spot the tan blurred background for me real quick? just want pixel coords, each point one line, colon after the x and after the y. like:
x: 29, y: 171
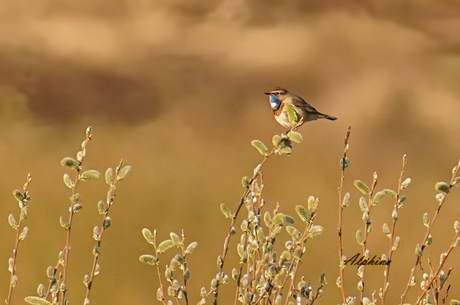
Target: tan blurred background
x: 176, y: 89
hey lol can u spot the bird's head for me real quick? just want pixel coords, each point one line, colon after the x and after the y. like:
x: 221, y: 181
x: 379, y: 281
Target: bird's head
x: 276, y: 97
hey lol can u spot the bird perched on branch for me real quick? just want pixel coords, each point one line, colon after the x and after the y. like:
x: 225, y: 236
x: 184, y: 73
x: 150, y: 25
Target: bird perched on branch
x: 279, y: 98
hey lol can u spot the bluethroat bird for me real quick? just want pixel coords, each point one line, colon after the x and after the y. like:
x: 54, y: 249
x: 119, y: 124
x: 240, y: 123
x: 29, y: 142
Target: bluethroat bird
x: 279, y: 97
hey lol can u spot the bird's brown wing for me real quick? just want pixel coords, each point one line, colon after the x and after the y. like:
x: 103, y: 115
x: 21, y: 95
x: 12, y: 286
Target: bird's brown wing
x: 299, y: 102
x: 309, y: 112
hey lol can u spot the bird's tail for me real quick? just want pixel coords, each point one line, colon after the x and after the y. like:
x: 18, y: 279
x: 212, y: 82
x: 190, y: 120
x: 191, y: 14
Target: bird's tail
x: 328, y: 117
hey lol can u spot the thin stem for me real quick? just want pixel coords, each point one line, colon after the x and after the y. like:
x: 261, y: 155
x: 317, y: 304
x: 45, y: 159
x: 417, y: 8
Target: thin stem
x: 339, y: 229
x: 428, y: 231
x: 292, y: 270
x: 158, y: 265
x: 366, y: 232
x: 257, y: 171
x: 446, y: 295
x: 184, y: 268
x: 71, y: 213
x: 18, y: 234
x: 443, y: 261
x: 392, y: 233
x: 110, y: 200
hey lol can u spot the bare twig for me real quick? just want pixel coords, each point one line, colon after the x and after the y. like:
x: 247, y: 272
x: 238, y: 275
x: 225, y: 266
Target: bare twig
x: 72, y: 211
x: 367, y: 225
x: 428, y: 231
x: 392, y: 232
x: 257, y: 171
x: 339, y: 229
x: 23, y: 203
x: 105, y: 224
x: 444, y: 257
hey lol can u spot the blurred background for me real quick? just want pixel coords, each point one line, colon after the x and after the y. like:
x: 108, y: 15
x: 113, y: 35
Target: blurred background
x: 176, y: 89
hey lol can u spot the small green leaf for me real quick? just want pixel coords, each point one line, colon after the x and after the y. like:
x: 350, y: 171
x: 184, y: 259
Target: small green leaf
x: 107, y: 222
x: 261, y: 236
x: 442, y: 187
x: 246, y: 182
x: 148, y: 259
x: 41, y: 290
x: 112, y: 192
x: 286, y: 255
x: 89, y: 174
x: 226, y: 211
x: 396, y: 243
x: 76, y: 207
x: 12, y: 221
x: 64, y: 223
x: 389, y: 193
x: 160, y: 296
x: 295, y: 234
x: 175, y: 238
x: 86, y: 280
x: 311, y: 203
x: 240, y: 249
x: 363, y: 204
x: 50, y: 272
x: 322, y: 279
x: 23, y: 214
x: 289, y: 219
x: 426, y: 220
x: 344, y: 162
x: 418, y: 250
x: 367, y: 301
x: 75, y: 198
x: 123, y: 172
x: 406, y: 183
x: 456, y: 181
x: 359, y: 237
x: 386, y: 230
x: 24, y: 233
x: 315, y: 231
x: 36, y: 301
x: 276, y: 140
x: 10, y: 264
x: 295, y: 136
x: 377, y: 197
x: 276, y: 230
x: 101, y: 207
x: 68, y: 182
x: 109, y: 176
x: 79, y: 156
x: 268, y: 219
x: 148, y: 235
x: 96, y: 251
x: 303, y: 213
x: 284, y: 150
x: 401, y: 201
x: 278, y: 219
x: 346, y: 200
x: 96, y: 233
x: 71, y: 162
x: 191, y: 248
x: 18, y: 195
x: 263, y: 150
x: 362, y: 187
x: 291, y: 114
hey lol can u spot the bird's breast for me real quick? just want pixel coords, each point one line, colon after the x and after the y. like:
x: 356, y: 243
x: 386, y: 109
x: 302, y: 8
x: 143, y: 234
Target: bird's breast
x: 279, y: 110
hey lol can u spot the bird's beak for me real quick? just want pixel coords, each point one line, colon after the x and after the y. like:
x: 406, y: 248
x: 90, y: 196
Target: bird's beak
x: 267, y: 93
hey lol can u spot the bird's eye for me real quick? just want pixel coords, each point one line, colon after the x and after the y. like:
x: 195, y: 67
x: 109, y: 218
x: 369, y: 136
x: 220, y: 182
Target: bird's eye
x: 277, y: 93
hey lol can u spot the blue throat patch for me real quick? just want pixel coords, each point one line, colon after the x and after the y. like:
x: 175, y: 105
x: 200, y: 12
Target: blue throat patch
x: 274, y: 102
